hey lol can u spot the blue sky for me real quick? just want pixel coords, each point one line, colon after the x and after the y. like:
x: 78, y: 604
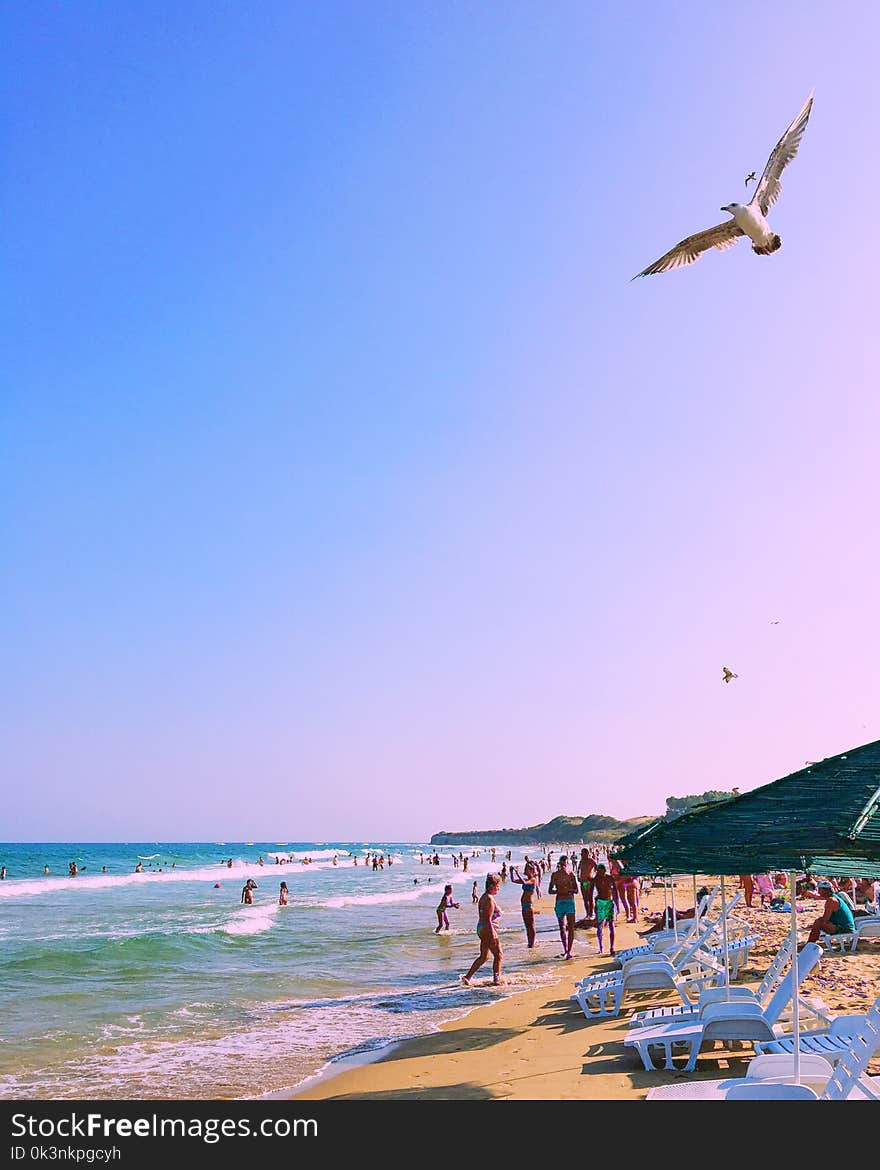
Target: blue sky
x: 349, y: 487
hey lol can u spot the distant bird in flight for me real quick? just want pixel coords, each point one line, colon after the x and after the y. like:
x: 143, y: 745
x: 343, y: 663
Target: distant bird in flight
x: 774, y: 623
x: 750, y: 219
x: 750, y: 177
x: 728, y: 674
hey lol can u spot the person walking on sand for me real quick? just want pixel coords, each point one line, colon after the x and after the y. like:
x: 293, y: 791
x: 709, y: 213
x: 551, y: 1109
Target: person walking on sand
x: 445, y: 903
x: 564, y: 885
x: 487, y: 932
x: 586, y: 869
x: 525, y: 902
x: 283, y: 895
x: 747, y: 886
x: 604, y: 888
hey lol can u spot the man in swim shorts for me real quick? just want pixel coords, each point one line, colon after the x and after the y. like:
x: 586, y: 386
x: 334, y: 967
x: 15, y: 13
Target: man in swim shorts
x: 603, y: 886
x: 586, y: 869
x: 564, y: 885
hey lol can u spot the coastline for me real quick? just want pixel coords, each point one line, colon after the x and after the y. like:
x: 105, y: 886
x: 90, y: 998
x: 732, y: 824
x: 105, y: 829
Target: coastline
x: 536, y: 1044
x: 531, y: 1045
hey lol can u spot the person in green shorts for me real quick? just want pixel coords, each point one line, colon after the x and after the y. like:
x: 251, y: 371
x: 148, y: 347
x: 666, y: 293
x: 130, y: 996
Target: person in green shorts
x: 603, y: 889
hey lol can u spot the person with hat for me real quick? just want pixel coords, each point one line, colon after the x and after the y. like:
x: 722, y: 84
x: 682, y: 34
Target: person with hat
x: 837, y: 915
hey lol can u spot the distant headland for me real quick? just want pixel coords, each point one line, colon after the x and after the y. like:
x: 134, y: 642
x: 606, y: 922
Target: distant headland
x: 559, y: 831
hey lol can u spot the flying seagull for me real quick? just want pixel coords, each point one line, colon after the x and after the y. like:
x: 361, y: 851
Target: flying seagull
x: 774, y: 623
x: 749, y: 219
x: 728, y: 674
x: 750, y: 177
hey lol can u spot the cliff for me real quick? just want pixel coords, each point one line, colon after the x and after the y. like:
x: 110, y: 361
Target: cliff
x: 559, y: 831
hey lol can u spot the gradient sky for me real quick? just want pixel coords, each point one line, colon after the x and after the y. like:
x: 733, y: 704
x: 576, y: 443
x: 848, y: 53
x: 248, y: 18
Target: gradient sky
x: 349, y: 489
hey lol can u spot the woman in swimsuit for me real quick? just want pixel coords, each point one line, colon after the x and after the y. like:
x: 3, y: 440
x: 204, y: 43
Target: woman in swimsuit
x: 282, y: 894
x: 445, y: 902
x: 487, y: 931
x: 528, y: 896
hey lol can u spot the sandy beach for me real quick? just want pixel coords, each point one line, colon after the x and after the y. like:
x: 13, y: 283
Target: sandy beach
x: 537, y: 1045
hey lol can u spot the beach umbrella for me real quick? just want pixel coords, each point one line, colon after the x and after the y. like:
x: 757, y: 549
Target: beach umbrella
x: 824, y: 818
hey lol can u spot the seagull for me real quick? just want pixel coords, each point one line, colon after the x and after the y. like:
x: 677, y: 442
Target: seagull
x: 728, y: 674
x: 774, y: 623
x: 750, y: 177
x: 749, y: 219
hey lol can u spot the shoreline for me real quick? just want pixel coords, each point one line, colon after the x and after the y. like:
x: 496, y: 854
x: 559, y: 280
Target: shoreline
x: 499, y: 1050
x: 536, y: 1044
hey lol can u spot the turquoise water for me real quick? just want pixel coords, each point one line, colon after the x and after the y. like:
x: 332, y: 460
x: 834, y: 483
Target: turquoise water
x: 125, y: 985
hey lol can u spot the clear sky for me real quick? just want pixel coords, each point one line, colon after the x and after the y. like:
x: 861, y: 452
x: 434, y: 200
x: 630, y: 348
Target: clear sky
x: 349, y: 489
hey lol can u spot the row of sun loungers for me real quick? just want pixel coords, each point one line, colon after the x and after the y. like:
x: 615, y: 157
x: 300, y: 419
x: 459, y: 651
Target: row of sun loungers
x: 834, y: 1053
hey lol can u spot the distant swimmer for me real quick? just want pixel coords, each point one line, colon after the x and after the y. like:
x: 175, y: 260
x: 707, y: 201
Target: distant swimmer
x: 728, y: 674
x: 475, y: 897
x: 247, y: 892
x: 229, y: 863
x: 282, y: 895
x: 45, y: 869
x: 72, y: 870
x: 138, y: 868
x: 2, y: 873
x: 751, y: 177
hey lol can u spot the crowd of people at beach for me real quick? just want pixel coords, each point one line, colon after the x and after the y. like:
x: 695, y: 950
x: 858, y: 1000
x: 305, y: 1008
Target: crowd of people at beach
x: 603, y: 885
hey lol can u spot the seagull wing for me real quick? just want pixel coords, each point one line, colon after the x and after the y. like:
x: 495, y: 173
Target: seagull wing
x: 770, y: 185
x: 723, y: 236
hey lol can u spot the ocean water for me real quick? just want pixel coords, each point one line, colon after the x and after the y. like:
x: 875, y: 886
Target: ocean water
x: 126, y: 985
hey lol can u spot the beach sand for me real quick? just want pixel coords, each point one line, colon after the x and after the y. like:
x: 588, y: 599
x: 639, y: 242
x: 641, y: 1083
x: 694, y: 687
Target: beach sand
x: 537, y: 1045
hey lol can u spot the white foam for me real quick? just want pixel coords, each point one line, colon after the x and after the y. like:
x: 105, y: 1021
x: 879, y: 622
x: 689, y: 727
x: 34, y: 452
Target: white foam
x: 435, y: 890
x: 32, y: 887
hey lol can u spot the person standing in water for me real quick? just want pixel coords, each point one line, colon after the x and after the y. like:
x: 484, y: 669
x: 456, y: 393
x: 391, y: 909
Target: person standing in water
x: 529, y: 890
x: 487, y: 932
x: 564, y: 885
x: 475, y: 897
x: 282, y: 894
x: 445, y: 902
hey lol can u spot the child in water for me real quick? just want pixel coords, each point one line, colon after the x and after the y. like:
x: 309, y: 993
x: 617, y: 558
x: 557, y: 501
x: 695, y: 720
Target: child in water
x: 282, y: 895
x: 445, y: 902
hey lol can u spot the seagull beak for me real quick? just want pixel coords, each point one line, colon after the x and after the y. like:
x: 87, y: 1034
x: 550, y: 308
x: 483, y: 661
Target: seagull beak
x: 726, y: 208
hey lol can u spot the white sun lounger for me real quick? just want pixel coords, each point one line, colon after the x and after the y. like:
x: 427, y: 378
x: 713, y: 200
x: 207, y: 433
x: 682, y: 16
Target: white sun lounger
x: 830, y: 1042
x: 773, y: 976
x: 813, y: 1008
x: 847, y: 1081
x: 729, y: 1020
x: 661, y: 940
x: 603, y: 995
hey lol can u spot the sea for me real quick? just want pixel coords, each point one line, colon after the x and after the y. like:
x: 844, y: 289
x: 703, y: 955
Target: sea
x: 123, y: 985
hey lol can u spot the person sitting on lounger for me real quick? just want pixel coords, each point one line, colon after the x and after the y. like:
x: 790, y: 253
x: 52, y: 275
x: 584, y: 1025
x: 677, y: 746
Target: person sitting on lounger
x: 837, y: 917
